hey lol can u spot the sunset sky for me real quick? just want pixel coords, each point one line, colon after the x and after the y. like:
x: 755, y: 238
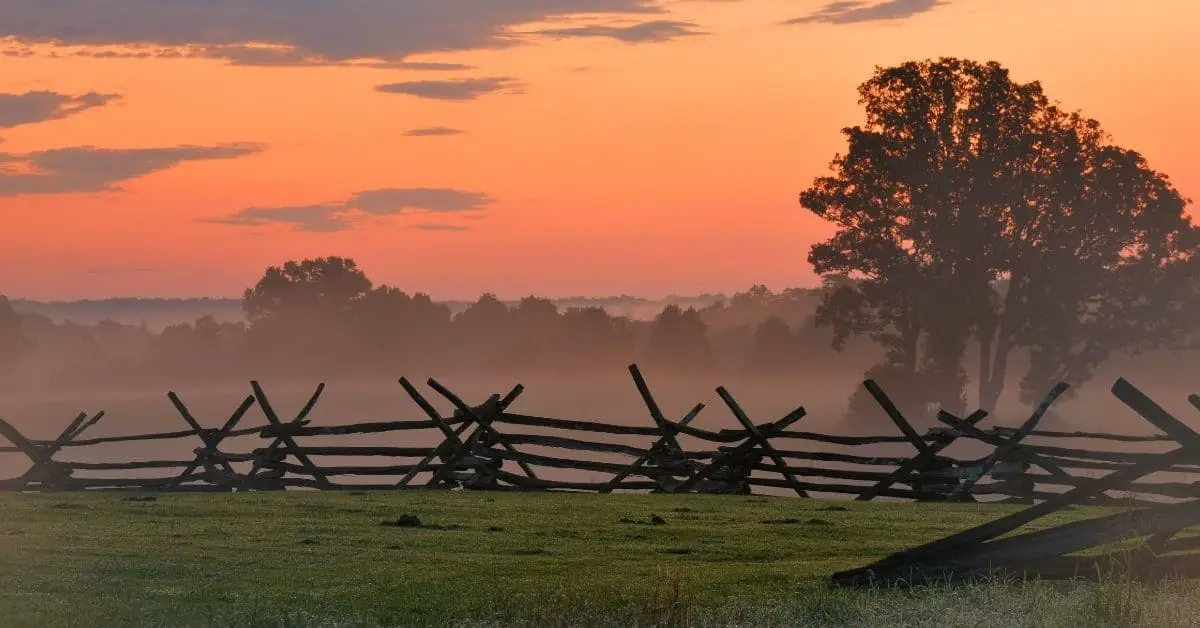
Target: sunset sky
x: 556, y: 147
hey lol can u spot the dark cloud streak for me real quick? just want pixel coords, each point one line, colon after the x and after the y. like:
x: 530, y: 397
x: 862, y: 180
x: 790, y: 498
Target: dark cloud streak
x: 646, y: 32
x: 856, y: 11
x: 340, y: 216
x: 387, y: 32
x: 429, y: 66
x: 453, y: 89
x: 92, y: 169
x: 43, y: 106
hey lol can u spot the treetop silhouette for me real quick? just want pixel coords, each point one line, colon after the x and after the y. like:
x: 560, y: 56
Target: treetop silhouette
x: 968, y: 206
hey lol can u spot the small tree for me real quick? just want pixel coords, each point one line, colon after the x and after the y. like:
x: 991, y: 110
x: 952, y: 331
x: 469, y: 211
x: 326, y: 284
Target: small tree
x: 596, y: 338
x: 537, y: 339
x: 325, y: 286
x: 482, y: 330
x: 395, y: 330
x: 305, y: 309
x: 679, y: 340
x: 772, y: 349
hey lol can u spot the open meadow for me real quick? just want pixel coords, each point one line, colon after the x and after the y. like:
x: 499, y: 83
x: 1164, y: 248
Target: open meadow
x: 307, y: 558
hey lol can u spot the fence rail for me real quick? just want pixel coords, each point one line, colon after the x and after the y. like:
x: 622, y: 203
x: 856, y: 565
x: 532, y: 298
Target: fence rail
x: 489, y: 447
x: 1166, y: 549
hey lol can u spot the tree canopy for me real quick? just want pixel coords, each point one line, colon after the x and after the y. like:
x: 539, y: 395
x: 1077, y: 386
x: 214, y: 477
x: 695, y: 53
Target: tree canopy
x: 969, y: 207
x: 13, y: 341
x: 678, y: 340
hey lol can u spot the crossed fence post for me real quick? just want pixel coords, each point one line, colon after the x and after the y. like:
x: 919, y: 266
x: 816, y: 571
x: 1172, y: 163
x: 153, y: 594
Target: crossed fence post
x: 757, y: 436
x: 45, y: 471
x: 453, y: 450
x: 753, y: 442
x: 1004, y: 447
x: 927, y: 452
x: 283, y: 440
x: 209, y: 456
x: 666, y: 447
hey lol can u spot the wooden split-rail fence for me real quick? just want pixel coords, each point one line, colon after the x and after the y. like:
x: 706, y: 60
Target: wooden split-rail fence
x: 1139, y: 544
x: 489, y: 446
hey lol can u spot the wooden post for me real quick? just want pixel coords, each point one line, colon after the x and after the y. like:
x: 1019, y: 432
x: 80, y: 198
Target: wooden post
x: 661, y: 447
x: 452, y: 444
x: 283, y: 438
x: 918, y: 462
x: 757, y: 436
x: 210, y: 438
x: 741, y: 450
x: 483, y: 421
x: 1002, y: 452
x: 45, y: 471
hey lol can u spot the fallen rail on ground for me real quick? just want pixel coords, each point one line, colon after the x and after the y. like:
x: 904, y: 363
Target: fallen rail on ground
x: 1144, y: 543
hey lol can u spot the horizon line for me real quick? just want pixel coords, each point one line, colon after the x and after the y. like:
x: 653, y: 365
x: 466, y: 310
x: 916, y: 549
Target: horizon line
x: 726, y: 294
x: 611, y: 297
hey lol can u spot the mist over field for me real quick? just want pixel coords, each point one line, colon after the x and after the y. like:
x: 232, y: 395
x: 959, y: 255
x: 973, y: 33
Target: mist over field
x: 157, y: 313
x: 979, y: 245
x: 132, y: 391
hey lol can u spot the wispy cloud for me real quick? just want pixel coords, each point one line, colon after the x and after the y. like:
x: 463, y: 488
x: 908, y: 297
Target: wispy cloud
x: 323, y: 218
x: 645, y: 32
x: 42, y: 106
x: 437, y: 226
x: 118, y: 270
x: 432, y: 131
x: 271, y: 32
x: 92, y: 169
x: 855, y: 11
x: 429, y: 66
x: 343, y: 215
x: 453, y: 89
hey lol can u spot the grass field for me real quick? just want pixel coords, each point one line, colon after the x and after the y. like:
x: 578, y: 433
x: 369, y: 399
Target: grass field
x: 309, y: 559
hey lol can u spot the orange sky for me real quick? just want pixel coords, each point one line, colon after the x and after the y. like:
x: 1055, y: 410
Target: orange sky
x: 604, y: 167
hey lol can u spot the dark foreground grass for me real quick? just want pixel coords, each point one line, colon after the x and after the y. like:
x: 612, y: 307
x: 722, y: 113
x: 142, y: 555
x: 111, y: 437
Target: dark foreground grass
x: 318, y: 559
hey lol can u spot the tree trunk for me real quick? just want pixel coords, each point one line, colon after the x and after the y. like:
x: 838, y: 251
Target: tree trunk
x: 985, y: 363
x: 994, y: 368
x: 989, y: 393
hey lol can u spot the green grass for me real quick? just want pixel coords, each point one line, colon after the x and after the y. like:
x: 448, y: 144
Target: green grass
x: 308, y: 558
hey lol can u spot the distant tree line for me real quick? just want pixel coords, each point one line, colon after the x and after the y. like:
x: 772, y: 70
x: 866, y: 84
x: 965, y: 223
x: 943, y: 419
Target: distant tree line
x: 324, y: 317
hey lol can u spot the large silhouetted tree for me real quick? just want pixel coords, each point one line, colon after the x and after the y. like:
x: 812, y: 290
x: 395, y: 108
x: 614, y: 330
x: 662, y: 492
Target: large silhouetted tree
x: 970, y: 207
